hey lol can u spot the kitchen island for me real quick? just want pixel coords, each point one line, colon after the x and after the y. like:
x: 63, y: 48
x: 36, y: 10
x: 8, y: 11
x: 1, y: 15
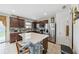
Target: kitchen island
x: 35, y: 38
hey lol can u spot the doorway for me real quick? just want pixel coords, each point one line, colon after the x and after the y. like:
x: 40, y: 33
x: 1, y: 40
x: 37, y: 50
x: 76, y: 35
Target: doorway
x: 2, y: 29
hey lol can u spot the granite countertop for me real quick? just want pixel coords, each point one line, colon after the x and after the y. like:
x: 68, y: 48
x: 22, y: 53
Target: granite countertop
x: 35, y: 37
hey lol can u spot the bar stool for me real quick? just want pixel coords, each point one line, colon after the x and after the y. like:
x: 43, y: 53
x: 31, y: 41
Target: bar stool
x: 21, y: 51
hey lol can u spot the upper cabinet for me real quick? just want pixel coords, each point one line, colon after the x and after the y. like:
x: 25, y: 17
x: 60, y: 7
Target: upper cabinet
x: 21, y: 23
x: 14, y: 22
x: 41, y: 22
x: 17, y: 23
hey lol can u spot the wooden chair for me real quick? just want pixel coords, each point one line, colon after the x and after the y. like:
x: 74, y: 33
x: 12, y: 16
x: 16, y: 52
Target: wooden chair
x: 18, y: 46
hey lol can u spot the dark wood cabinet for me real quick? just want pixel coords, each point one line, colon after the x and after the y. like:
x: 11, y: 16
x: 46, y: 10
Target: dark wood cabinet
x: 14, y: 22
x: 14, y: 37
x: 34, y: 24
x: 39, y: 26
x: 39, y: 22
x: 21, y: 23
x: 17, y: 23
x: 45, y: 45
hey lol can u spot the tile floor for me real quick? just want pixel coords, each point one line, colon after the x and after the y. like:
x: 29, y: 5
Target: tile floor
x: 53, y: 48
x: 7, y: 48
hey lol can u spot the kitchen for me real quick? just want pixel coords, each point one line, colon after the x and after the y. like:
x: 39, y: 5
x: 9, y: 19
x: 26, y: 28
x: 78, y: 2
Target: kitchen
x: 36, y: 30
x: 43, y: 29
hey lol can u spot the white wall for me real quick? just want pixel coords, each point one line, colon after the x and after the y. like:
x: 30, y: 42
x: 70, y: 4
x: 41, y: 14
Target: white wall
x: 64, y: 18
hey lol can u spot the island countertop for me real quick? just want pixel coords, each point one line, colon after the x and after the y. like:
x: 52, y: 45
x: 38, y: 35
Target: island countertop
x: 35, y: 37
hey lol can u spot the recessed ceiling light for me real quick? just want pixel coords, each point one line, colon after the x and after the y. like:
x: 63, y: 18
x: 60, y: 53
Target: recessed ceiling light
x: 13, y: 11
x: 45, y: 13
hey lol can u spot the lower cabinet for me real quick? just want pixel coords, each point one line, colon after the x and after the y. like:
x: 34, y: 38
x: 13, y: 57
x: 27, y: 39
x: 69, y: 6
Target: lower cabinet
x: 45, y: 45
x: 14, y: 37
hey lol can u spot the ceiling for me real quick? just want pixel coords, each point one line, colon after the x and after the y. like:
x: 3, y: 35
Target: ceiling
x: 33, y: 11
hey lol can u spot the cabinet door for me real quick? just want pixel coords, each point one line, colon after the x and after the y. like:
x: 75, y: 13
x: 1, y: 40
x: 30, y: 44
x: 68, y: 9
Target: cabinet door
x: 14, y: 22
x: 14, y: 37
x: 45, y: 45
x: 21, y: 23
